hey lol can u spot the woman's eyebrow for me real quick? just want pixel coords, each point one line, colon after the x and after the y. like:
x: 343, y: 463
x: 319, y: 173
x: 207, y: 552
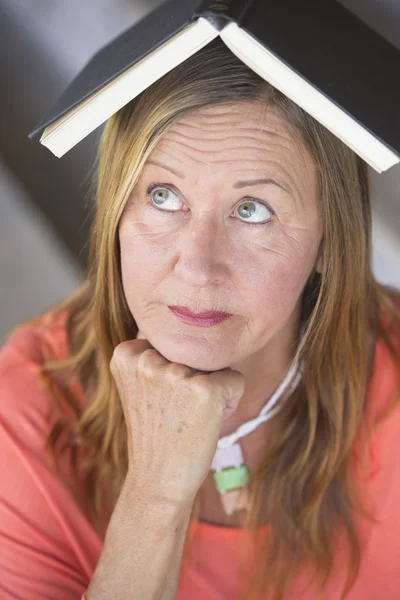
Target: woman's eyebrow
x: 241, y: 184
x: 238, y: 184
x: 158, y: 164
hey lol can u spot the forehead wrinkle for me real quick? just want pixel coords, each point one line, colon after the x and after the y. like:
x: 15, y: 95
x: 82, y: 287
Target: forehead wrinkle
x: 222, y: 161
x: 249, y: 124
x: 199, y: 152
x: 260, y: 144
x: 209, y: 134
x: 186, y: 155
x: 228, y: 109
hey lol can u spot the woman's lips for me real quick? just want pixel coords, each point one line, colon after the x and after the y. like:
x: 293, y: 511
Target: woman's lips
x: 203, y: 320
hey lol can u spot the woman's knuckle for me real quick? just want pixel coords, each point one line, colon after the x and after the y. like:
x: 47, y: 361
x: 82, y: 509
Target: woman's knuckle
x: 119, y: 354
x: 177, y: 371
x: 201, y: 388
x: 148, y: 364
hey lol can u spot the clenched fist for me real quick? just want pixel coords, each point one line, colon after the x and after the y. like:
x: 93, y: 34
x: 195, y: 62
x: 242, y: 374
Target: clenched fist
x: 173, y: 416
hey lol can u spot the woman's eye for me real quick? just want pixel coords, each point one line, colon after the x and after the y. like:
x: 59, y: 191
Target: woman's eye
x: 161, y: 195
x: 247, y: 210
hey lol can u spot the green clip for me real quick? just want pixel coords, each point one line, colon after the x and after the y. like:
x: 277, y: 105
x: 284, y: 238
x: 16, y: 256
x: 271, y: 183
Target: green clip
x: 231, y: 479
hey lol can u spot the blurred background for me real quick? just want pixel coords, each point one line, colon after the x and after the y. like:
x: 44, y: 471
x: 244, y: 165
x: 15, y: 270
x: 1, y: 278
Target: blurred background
x: 45, y: 202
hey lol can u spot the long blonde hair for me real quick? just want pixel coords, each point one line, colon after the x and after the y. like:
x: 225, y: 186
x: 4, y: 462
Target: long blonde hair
x: 307, y: 472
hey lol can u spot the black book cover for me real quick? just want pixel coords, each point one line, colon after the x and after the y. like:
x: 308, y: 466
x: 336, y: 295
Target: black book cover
x: 338, y: 54
x: 120, y: 54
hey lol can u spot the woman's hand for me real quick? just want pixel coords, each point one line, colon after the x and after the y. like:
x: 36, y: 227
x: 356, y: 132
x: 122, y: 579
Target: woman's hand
x: 173, y: 416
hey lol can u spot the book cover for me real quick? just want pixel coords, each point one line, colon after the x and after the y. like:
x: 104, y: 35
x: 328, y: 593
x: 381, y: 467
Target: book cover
x: 120, y: 54
x: 338, y: 54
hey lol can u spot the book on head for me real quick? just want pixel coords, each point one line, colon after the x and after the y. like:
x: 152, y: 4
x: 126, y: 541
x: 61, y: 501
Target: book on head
x: 316, y: 52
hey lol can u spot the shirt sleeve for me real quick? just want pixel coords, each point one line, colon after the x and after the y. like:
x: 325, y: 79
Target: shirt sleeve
x: 48, y: 549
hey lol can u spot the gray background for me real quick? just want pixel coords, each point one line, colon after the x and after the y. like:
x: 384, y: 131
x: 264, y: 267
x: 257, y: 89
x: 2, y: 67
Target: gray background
x: 44, y: 201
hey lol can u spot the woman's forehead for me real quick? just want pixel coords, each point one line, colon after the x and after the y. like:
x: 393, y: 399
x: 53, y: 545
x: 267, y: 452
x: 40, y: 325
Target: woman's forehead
x: 251, y: 121
x: 239, y: 136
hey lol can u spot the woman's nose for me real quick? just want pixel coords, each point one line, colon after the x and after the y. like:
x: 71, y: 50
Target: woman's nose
x: 202, y: 253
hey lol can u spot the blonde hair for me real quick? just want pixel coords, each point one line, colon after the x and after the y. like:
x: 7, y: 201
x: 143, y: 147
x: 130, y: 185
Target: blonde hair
x: 307, y: 472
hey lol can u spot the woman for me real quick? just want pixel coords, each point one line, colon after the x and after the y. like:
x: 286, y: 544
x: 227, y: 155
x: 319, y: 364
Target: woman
x: 217, y: 193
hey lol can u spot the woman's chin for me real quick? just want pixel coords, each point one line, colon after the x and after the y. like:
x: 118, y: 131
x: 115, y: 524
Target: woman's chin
x: 199, y: 359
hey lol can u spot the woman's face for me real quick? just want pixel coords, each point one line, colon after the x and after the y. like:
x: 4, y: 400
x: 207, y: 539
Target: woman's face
x: 225, y: 216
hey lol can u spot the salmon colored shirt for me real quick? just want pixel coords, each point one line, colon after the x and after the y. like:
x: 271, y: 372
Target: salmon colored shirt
x: 49, y: 550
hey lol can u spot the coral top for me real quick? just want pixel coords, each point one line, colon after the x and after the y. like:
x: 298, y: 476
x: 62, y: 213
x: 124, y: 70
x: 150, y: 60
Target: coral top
x: 48, y: 549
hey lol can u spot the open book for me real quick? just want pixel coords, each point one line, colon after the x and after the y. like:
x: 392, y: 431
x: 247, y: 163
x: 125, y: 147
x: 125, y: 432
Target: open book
x: 315, y: 51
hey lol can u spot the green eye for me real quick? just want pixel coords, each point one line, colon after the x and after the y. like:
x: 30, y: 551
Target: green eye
x: 248, y: 208
x: 160, y: 195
